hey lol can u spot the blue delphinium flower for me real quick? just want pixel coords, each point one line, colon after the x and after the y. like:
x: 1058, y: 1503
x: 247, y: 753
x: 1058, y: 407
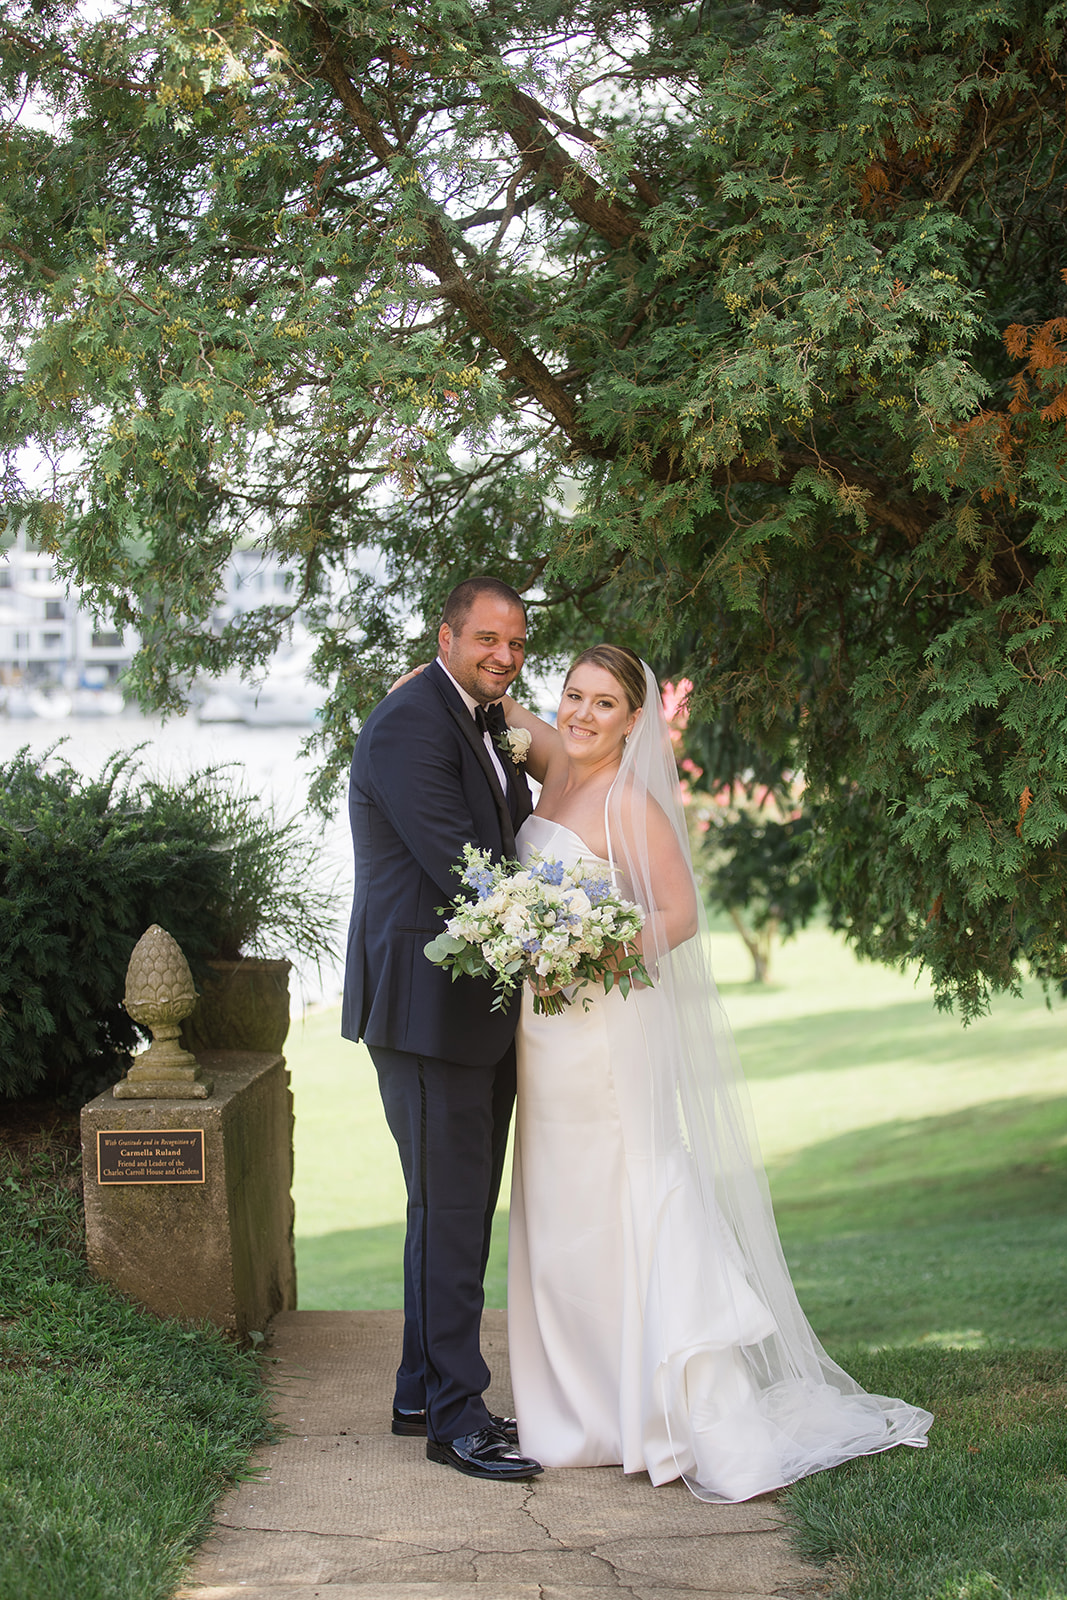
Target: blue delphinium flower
x: 597, y: 889
x: 476, y: 872
x: 549, y: 872
x: 480, y: 882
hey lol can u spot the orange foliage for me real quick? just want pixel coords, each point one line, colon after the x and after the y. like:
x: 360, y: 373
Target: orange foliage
x: 885, y: 180
x: 1041, y: 346
x: 875, y: 181
x: 1015, y: 337
x: 1024, y: 806
x: 1038, y: 391
x: 1056, y: 410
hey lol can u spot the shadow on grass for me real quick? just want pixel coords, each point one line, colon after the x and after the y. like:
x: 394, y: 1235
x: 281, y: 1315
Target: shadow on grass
x: 987, y: 1285
x: 945, y: 1230
x: 356, y: 1269
x: 991, y: 1162
x: 865, y: 1036
x: 361, y: 1269
x: 956, y: 1285
x: 948, y: 1230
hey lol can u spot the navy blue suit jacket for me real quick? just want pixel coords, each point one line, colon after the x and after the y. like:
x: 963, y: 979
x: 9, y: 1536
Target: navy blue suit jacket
x: 422, y: 787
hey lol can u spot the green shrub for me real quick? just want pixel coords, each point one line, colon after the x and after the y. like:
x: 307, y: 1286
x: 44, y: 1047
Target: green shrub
x: 87, y: 864
x: 118, y: 1429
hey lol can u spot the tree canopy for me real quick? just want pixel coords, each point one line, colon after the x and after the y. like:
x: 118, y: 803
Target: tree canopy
x: 731, y: 331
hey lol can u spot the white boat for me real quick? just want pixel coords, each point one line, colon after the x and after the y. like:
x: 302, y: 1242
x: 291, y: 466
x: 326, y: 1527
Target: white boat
x: 280, y: 702
x: 52, y: 705
x: 283, y: 703
x: 222, y: 705
x: 98, y: 703
x: 15, y: 703
x: 284, y: 698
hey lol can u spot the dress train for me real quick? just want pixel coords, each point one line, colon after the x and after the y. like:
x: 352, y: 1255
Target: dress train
x: 643, y: 1330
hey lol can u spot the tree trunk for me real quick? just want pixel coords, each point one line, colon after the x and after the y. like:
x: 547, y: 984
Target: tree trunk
x: 757, y: 944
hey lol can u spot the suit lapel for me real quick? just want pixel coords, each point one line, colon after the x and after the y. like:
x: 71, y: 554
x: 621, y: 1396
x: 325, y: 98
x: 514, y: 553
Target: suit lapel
x: 522, y: 788
x: 467, y: 726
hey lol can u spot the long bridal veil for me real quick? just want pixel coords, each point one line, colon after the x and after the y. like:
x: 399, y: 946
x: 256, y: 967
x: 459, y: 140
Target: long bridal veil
x: 743, y: 1393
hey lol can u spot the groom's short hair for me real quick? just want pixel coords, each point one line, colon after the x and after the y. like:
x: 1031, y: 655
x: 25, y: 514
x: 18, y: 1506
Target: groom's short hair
x: 458, y: 605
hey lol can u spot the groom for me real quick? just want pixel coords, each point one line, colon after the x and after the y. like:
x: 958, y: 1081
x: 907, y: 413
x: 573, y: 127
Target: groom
x: 428, y: 778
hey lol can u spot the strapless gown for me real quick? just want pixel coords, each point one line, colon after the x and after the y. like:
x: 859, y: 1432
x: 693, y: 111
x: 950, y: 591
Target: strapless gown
x: 610, y: 1265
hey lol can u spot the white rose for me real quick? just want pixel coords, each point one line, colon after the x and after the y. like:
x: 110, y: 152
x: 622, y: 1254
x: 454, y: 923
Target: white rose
x: 578, y: 903
x: 519, y: 741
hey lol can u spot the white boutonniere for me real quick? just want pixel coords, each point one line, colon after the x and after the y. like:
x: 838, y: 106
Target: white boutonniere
x: 515, y: 744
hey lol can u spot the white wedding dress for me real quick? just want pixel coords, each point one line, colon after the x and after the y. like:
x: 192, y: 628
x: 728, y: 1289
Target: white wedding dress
x: 645, y: 1328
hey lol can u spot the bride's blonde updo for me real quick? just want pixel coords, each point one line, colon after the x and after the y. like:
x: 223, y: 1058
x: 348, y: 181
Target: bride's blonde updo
x: 625, y: 667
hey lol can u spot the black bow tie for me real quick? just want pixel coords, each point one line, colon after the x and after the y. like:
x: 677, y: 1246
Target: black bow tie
x: 491, y: 719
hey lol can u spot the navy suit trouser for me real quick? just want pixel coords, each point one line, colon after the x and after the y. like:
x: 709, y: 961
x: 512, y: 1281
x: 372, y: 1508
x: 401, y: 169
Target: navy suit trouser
x: 450, y: 1123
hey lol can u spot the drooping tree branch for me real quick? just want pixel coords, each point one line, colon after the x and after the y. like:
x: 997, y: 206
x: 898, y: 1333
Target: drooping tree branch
x: 437, y: 255
x: 614, y: 222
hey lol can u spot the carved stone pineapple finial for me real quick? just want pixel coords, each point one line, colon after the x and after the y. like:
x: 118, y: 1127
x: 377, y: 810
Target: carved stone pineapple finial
x: 160, y: 995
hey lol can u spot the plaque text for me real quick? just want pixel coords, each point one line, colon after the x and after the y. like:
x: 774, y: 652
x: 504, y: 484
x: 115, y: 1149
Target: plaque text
x: 161, y: 1155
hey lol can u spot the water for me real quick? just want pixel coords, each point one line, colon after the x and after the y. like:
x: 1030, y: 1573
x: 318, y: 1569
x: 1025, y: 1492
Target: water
x: 267, y: 760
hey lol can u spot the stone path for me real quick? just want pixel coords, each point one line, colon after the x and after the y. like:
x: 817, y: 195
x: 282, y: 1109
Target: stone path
x: 341, y: 1509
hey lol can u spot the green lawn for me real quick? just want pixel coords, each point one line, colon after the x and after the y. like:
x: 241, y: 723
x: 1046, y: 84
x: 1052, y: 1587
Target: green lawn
x: 118, y: 1430
x: 891, y: 1135
x: 919, y: 1172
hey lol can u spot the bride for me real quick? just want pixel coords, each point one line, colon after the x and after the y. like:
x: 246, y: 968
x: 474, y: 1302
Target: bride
x: 651, y: 1318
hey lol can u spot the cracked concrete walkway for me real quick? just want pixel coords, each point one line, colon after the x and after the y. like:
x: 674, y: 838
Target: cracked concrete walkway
x: 341, y: 1509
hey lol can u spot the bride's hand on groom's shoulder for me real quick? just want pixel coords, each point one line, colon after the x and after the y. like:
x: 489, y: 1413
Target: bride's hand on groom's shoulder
x: 407, y: 677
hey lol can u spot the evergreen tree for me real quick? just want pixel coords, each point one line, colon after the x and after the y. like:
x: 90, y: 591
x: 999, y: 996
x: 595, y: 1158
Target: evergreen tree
x: 735, y: 332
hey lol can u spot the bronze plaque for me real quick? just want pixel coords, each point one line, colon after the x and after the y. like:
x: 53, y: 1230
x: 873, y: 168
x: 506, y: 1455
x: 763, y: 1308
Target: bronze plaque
x: 160, y: 1155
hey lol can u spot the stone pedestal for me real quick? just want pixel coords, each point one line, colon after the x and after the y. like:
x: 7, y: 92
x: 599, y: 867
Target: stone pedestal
x: 220, y: 1249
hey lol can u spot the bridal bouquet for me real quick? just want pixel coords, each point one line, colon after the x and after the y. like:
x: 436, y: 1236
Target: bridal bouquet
x: 560, y: 926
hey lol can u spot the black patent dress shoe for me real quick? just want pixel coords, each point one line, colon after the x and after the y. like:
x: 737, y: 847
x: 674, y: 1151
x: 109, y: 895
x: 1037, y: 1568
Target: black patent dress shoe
x: 486, y: 1453
x: 412, y: 1425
